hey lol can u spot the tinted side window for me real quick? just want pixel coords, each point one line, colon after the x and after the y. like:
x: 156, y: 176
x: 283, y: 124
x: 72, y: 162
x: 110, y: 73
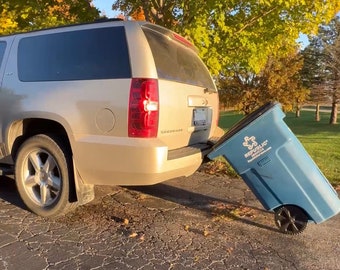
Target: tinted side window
x: 78, y: 55
x: 2, y: 50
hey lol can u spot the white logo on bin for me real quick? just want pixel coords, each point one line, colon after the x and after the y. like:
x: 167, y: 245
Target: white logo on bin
x: 255, y: 149
x: 250, y: 142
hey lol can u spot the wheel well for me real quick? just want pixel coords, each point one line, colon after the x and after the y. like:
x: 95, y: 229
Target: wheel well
x: 24, y: 129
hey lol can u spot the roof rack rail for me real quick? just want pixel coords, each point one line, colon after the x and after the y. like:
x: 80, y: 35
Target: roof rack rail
x: 104, y: 19
x: 100, y: 20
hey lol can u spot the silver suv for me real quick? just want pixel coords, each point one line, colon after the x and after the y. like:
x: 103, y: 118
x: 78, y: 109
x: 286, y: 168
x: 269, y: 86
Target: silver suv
x: 106, y: 103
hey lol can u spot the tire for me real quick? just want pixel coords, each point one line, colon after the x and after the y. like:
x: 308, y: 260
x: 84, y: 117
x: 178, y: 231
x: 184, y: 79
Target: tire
x: 43, y: 173
x: 291, y: 219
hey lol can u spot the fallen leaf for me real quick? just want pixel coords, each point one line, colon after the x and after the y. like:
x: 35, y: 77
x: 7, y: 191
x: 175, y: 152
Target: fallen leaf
x: 142, y: 197
x: 133, y: 235
x: 230, y: 250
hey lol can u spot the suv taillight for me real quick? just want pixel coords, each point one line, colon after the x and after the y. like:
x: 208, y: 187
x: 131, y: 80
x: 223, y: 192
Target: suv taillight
x: 143, y: 108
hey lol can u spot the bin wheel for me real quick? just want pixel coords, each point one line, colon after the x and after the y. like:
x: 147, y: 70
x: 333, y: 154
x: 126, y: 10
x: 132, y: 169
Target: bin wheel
x: 291, y: 219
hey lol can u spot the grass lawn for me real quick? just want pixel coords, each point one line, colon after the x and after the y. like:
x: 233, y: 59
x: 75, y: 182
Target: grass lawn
x: 321, y: 140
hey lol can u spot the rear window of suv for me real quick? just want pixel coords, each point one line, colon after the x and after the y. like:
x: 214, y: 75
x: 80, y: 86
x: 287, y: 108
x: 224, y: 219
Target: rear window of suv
x: 175, y: 61
x: 76, y: 55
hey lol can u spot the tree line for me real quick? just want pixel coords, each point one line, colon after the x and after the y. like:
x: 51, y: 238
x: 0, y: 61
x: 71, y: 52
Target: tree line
x: 249, y: 46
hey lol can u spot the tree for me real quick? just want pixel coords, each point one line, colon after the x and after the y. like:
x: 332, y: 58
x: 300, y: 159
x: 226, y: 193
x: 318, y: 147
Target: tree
x: 321, y: 71
x: 7, y: 19
x: 278, y: 81
x: 241, y: 89
x: 330, y: 36
x: 156, y: 11
x: 138, y: 14
x: 232, y: 32
x: 314, y: 74
x: 26, y: 15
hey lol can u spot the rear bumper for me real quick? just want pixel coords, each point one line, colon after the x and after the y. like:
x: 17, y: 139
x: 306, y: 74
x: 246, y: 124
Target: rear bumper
x: 103, y: 160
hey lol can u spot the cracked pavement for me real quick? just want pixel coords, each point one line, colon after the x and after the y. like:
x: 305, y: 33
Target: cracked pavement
x: 200, y: 222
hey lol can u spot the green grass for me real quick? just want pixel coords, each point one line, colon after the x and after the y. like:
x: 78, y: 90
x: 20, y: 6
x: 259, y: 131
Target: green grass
x: 321, y: 140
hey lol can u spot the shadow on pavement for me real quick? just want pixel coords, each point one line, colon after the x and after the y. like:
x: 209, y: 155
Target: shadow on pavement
x: 9, y: 192
x: 211, y: 205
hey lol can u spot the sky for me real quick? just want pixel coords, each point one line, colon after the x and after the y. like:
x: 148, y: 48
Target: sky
x: 105, y: 7
x: 303, y: 40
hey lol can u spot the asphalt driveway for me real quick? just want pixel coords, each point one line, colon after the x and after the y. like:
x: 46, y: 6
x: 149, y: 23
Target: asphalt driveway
x: 200, y: 222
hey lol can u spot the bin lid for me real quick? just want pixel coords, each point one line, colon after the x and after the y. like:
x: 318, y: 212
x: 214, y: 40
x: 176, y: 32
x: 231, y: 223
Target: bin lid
x: 244, y: 122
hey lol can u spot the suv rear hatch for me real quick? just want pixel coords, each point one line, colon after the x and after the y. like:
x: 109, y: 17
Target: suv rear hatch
x: 188, y: 111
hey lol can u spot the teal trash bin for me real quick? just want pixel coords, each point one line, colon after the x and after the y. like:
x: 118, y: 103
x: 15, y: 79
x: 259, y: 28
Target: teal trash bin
x: 273, y: 163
